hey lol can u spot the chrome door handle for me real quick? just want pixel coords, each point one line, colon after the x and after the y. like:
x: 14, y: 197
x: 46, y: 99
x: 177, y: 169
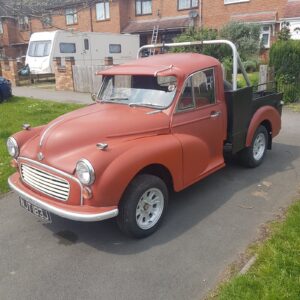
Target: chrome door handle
x: 215, y: 114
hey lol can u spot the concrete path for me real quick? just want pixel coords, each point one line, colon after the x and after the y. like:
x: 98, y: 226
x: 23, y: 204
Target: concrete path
x: 52, y: 94
x: 206, y: 228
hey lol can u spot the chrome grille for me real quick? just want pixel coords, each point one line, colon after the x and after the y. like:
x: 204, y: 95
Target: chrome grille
x: 45, y: 182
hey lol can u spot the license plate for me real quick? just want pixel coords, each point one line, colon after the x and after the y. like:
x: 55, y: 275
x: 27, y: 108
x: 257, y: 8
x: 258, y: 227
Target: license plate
x: 35, y: 210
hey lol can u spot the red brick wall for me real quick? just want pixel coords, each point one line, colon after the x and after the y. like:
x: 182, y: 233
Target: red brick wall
x: 160, y: 8
x: 216, y: 14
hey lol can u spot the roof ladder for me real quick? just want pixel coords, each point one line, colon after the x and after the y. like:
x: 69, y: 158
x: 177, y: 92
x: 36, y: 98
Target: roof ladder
x: 154, y: 38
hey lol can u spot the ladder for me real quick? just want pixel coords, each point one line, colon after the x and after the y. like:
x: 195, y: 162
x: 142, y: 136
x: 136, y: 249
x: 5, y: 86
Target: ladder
x: 154, y: 39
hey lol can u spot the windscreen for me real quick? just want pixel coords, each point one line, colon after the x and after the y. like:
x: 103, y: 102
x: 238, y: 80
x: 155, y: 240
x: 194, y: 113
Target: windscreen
x: 39, y: 48
x: 137, y: 90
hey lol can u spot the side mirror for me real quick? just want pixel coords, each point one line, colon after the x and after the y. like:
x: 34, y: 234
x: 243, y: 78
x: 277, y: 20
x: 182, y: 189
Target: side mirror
x: 94, y: 97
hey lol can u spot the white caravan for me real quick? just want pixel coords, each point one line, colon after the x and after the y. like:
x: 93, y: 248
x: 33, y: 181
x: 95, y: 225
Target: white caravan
x: 88, y: 48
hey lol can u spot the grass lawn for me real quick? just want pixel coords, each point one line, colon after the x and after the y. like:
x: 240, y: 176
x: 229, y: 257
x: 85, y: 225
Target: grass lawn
x: 253, y: 77
x: 276, y: 273
x: 13, y: 114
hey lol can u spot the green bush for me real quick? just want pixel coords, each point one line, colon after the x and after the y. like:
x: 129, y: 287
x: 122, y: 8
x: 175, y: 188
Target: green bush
x: 285, y: 58
x: 251, y: 65
x: 245, y: 36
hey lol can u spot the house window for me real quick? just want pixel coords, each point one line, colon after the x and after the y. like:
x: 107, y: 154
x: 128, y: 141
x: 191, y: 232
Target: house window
x: 1, y: 27
x: 234, y: 1
x: 143, y: 7
x: 102, y: 10
x: 46, y: 20
x: 265, y: 35
x: 67, y: 47
x: 23, y: 23
x: 71, y: 16
x: 188, y: 4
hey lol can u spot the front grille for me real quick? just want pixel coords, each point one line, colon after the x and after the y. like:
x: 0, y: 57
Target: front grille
x: 45, y: 182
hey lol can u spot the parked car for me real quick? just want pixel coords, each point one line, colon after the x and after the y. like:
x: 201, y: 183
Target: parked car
x: 159, y: 124
x: 5, y: 89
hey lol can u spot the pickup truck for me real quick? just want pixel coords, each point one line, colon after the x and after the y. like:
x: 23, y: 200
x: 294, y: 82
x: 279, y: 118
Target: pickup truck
x: 159, y: 124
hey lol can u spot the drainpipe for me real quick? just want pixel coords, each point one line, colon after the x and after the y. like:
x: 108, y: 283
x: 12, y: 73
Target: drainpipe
x: 201, y: 13
x: 91, y: 18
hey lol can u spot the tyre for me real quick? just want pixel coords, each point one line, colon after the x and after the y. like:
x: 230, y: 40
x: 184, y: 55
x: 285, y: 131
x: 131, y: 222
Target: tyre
x: 143, y: 206
x: 1, y: 98
x: 254, y: 155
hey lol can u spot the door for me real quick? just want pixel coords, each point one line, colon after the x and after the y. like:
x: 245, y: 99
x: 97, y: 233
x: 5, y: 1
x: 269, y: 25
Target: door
x: 197, y: 123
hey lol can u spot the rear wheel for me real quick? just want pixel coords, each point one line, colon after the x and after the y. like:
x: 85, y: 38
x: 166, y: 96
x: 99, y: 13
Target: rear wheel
x: 1, y: 97
x: 254, y: 155
x: 143, y: 206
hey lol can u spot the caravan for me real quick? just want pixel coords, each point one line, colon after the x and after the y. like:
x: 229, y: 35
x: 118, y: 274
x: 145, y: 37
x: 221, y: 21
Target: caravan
x: 88, y: 48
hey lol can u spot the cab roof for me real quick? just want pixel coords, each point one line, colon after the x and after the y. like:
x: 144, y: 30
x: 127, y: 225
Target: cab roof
x: 178, y: 64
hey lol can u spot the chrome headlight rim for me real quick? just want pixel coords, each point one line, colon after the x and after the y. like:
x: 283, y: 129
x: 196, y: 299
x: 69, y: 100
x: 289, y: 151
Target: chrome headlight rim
x: 15, y: 145
x: 84, y: 162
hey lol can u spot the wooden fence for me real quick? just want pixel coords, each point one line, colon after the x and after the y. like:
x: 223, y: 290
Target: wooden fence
x: 85, y: 78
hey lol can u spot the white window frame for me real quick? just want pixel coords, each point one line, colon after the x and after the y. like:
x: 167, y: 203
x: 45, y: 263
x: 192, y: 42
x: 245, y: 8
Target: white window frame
x: 106, y: 11
x: 191, y: 6
x: 234, y: 1
x: 23, y: 23
x: 1, y: 27
x: 140, y: 6
x: 269, y: 32
x: 71, y: 16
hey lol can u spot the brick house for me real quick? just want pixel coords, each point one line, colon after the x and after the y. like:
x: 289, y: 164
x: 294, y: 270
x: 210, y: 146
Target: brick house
x: 139, y: 16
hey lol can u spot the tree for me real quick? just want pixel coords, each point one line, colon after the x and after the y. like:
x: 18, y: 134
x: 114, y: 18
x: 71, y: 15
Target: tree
x: 245, y: 36
x: 285, y: 33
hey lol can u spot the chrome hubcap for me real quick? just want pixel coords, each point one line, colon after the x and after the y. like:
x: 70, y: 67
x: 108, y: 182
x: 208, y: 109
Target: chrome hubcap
x: 259, y: 146
x: 149, y: 208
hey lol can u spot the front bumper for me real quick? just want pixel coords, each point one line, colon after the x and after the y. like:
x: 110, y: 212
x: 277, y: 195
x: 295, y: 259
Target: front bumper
x: 77, y: 213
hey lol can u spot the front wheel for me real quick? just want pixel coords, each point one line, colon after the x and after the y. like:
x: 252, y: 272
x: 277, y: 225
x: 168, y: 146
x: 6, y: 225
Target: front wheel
x: 143, y: 206
x: 253, y: 156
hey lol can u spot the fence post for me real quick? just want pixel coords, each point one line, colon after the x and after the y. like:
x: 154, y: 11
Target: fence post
x: 64, y: 74
x: 263, y: 78
x: 10, y: 70
x: 108, y: 61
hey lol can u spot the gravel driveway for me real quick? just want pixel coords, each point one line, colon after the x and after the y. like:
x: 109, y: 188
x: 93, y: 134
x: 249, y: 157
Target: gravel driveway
x: 207, y: 226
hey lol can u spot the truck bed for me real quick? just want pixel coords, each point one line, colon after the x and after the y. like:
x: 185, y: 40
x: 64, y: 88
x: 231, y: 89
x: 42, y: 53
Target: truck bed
x: 241, y: 106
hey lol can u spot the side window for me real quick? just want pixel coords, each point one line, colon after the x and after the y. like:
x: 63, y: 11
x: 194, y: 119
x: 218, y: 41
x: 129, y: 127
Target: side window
x: 67, y: 47
x: 115, y: 48
x: 199, y: 90
x: 204, y: 87
x: 186, y: 100
x: 86, y: 44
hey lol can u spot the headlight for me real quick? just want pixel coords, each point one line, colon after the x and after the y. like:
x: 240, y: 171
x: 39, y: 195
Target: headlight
x: 85, y: 172
x: 12, y: 147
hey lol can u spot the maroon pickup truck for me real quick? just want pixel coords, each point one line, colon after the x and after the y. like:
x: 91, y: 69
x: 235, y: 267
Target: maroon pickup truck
x: 158, y: 124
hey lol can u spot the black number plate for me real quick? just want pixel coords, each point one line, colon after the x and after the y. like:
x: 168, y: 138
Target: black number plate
x: 35, y: 210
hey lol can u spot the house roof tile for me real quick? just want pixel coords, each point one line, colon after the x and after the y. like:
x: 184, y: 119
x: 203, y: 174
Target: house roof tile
x: 292, y: 9
x: 164, y: 23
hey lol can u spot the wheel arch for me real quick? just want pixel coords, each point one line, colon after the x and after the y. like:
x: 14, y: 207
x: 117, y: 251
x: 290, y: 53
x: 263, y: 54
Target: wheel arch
x: 268, y: 117
x: 160, y: 156
x: 160, y: 171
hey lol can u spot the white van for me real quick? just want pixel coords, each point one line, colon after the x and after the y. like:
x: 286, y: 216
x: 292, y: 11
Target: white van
x: 88, y: 48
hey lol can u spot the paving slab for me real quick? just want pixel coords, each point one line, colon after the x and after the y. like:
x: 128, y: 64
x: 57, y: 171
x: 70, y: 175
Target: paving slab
x: 52, y: 94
